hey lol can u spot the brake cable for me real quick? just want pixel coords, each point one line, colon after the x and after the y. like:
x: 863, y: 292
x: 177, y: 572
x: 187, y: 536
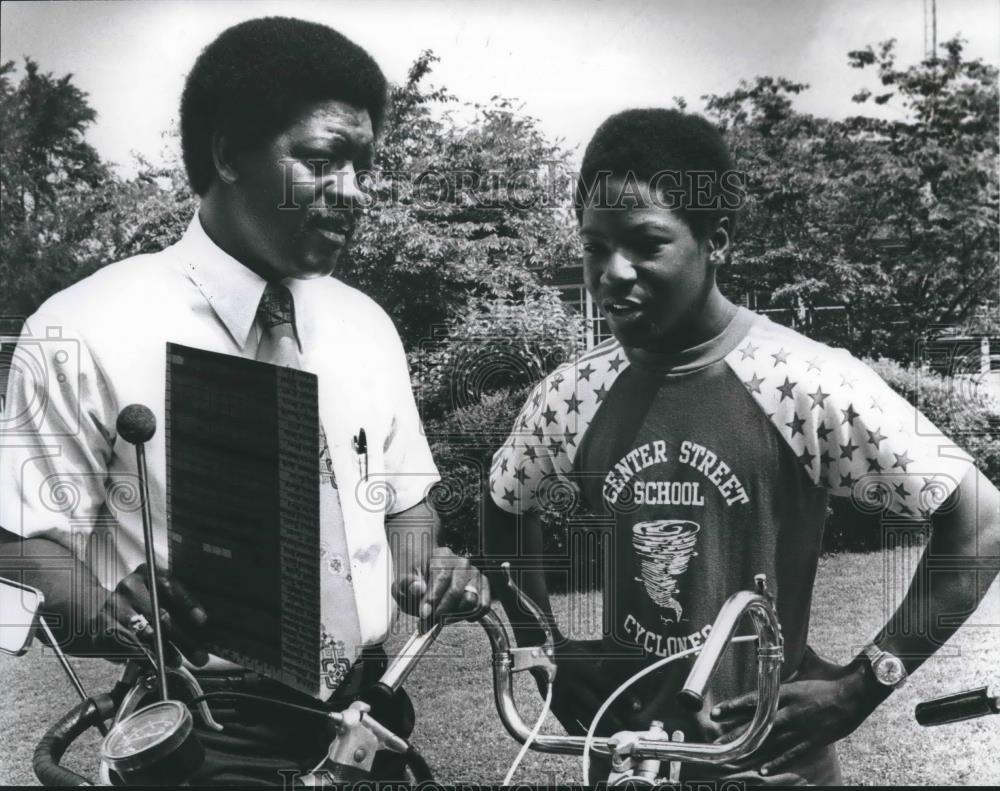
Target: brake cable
x: 532, y: 736
x: 591, y: 732
x: 222, y: 694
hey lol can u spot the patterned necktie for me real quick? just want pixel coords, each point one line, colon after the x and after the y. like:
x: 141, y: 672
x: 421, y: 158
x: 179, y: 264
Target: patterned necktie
x: 341, y: 630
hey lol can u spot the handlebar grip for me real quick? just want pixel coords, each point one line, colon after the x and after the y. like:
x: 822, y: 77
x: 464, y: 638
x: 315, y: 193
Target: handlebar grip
x: 60, y: 736
x: 964, y: 705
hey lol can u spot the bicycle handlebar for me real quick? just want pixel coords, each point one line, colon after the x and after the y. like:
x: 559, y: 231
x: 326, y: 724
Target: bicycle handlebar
x: 60, y: 736
x: 641, y: 746
x: 965, y: 705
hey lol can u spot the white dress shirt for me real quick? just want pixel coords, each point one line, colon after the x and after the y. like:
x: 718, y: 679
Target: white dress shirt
x: 101, y: 345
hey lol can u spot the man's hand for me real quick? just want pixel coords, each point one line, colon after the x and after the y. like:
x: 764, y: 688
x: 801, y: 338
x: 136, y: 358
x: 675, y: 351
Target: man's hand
x: 449, y: 585
x: 582, y: 685
x: 181, y: 616
x: 824, y: 703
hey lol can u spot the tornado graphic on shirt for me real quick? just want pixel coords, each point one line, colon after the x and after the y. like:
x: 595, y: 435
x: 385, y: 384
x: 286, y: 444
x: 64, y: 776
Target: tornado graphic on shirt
x: 664, y: 548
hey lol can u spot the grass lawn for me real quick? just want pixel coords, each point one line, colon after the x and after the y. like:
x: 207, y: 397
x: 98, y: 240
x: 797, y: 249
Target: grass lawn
x: 461, y: 736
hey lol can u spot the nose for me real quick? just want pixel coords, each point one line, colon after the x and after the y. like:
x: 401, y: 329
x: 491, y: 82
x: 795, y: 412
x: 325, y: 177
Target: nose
x: 619, y: 269
x: 343, y: 188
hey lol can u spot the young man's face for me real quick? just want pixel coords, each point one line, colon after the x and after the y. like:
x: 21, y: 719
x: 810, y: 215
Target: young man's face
x: 644, y: 268
x: 298, y: 197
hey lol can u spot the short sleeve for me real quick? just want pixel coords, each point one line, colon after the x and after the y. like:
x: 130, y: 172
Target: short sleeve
x: 880, y: 450
x: 850, y: 432
x: 409, y: 465
x: 56, y: 440
x: 531, y: 470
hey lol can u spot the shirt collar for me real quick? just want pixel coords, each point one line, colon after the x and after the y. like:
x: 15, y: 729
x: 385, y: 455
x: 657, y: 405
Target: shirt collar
x: 231, y: 289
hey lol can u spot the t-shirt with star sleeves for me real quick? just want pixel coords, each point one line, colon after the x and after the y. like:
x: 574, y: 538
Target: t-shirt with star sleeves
x: 713, y: 467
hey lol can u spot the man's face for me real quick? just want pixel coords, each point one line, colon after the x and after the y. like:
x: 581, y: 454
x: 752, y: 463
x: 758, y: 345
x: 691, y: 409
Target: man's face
x: 644, y: 268
x: 298, y: 197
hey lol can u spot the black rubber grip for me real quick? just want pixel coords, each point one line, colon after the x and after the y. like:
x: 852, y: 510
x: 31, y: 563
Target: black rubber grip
x: 965, y: 705
x: 60, y: 736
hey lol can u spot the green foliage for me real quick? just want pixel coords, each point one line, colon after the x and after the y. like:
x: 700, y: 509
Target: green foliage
x: 65, y: 214
x: 467, y: 203
x: 490, y: 345
x: 51, y: 187
x: 894, y: 221
x: 463, y: 443
x: 968, y: 420
x: 471, y: 384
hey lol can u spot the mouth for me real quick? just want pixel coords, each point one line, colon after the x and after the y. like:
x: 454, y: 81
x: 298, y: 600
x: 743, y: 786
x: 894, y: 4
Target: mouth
x: 335, y: 230
x: 622, y: 308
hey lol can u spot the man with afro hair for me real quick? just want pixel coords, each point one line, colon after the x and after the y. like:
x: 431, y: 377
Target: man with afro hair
x: 710, y: 439
x: 279, y: 119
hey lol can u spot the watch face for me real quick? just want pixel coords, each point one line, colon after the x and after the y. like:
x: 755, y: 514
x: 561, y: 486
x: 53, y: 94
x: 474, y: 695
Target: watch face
x: 889, y: 671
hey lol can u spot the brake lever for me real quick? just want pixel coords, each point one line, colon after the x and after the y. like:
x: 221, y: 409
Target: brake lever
x: 146, y: 682
x: 532, y: 656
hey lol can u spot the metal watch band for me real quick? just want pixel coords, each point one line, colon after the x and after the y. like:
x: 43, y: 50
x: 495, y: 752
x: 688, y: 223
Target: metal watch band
x: 875, y: 656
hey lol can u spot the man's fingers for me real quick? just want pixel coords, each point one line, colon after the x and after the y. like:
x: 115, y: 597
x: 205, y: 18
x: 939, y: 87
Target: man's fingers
x: 409, y: 589
x: 123, y: 630
x: 788, y: 756
x: 440, y: 582
x: 132, y: 605
x: 176, y: 598
x: 175, y: 633
x: 741, y: 704
x: 469, y: 600
x: 477, y: 598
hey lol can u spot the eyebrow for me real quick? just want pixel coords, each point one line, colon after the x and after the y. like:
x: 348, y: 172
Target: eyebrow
x: 336, y: 143
x: 648, y: 225
x: 632, y: 229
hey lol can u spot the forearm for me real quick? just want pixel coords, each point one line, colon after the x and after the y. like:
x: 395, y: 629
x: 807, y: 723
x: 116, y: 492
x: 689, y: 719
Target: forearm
x: 960, y: 561
x: 413, y: 536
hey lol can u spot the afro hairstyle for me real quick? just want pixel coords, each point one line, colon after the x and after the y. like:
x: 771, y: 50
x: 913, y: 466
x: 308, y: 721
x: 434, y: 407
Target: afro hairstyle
x: 649, y: 145
x: 253, y: 79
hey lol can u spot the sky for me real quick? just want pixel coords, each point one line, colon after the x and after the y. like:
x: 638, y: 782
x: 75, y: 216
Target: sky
x: 571, y: 63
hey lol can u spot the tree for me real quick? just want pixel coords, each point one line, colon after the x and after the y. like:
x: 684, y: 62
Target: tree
x: 893, y: 222
x: 467, y: 202
x: 51, y: 187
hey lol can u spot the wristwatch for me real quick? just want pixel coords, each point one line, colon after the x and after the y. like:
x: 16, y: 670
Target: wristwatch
x: 887, y: 668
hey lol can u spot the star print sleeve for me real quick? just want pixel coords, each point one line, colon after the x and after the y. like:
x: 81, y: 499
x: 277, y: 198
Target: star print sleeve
x: 530, y: 469
x: 849, y: 430
x: 880, y: 450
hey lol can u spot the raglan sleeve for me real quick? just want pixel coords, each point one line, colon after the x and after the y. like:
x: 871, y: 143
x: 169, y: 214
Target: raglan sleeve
x: 532, y: 469
x: 880, y: 450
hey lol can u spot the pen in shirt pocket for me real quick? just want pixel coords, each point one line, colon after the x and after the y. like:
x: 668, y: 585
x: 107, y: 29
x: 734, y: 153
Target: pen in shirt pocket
x: 360, y: 443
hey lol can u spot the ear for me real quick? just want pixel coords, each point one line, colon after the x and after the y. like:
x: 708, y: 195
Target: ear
x: 223, y: 158
x: 718, y: 243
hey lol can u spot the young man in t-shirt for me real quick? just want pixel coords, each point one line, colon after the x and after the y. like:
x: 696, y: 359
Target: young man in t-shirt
x: 711, y: 439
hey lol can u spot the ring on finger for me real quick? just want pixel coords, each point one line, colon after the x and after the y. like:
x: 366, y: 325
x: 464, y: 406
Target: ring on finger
x: 138, y: 623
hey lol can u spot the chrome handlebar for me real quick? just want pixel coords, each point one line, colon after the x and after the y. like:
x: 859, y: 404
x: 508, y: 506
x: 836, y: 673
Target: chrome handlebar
x: 647, y: 745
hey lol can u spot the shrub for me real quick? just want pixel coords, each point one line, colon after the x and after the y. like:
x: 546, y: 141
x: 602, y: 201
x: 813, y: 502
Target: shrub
x: 491, y: 346
x: 463, y: 443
